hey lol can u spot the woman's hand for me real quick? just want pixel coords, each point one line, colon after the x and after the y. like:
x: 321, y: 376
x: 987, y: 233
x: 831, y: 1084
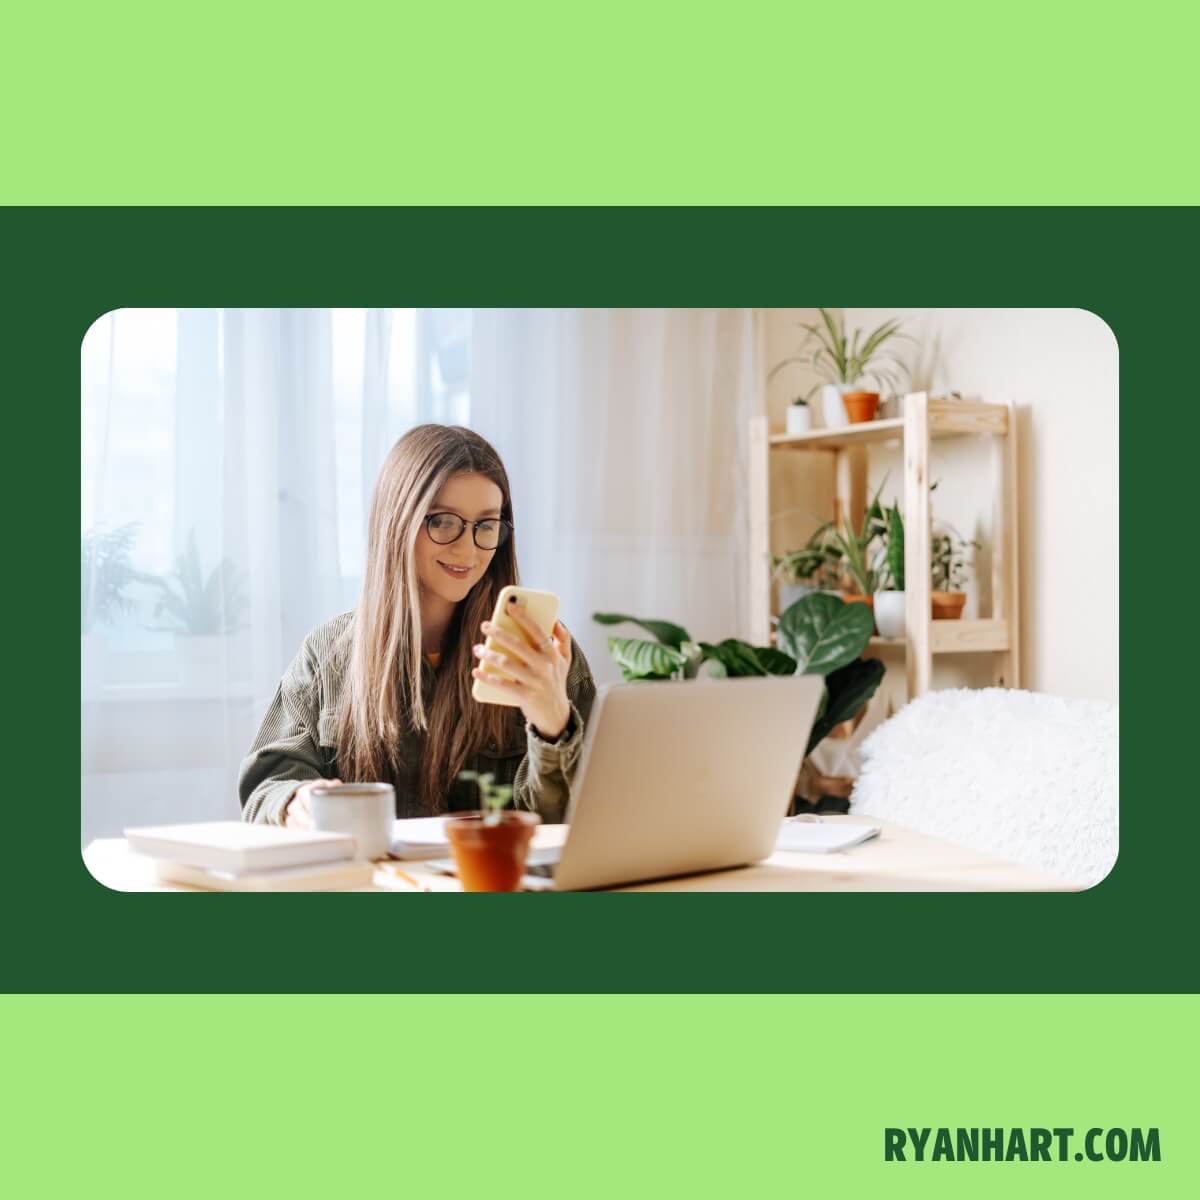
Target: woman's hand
x: 538, y: 667
x: 296, y: 813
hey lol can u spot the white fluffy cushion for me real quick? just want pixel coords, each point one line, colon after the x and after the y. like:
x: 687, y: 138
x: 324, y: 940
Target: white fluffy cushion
x: 1026, y: 777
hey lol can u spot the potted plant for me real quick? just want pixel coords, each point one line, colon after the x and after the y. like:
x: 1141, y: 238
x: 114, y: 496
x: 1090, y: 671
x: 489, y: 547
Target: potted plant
x: 949, y: 572
x: 859, y: 365
x: 204, y: 611
x: 490, y: 846
x: 812, y: 568
x: 105, y: 575
x: 863, y: 561
x: 889, y: 601
x: 799, y: 417
x: 818, y: 635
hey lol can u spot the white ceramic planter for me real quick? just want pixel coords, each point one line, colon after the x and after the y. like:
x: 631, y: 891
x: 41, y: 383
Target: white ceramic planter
x: 833, y: 411
x: 889, y: 614
x: 799, y: 418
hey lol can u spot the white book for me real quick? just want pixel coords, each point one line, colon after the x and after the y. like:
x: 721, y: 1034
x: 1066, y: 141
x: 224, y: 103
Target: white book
x: 812, y: 837
x: 420, y: 837
x: 313, y: 877
x: 238, y: 846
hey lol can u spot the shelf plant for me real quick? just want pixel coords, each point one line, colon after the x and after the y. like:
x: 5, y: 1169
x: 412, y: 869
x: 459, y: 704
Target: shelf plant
x: 889, y: 599
x: 861, y: 364
x: 814, y: 567
x: 949, y: 571
x: 490, y: 846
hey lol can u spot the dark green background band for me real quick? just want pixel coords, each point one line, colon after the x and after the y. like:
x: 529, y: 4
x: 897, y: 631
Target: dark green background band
x: 1135, y: 268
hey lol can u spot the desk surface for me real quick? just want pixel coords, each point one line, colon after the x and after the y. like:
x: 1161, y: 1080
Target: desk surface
x: 899, y: 860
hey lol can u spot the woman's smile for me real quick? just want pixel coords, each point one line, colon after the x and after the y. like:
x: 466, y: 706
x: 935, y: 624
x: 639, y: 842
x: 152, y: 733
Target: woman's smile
x: 453, y: 571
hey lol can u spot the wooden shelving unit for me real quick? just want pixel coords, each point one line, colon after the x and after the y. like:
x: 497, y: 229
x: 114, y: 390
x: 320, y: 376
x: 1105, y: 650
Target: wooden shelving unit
x: 923, y: 420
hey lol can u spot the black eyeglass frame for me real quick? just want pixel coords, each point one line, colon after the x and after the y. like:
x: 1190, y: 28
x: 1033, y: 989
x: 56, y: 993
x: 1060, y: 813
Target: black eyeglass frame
x: 506, y: 529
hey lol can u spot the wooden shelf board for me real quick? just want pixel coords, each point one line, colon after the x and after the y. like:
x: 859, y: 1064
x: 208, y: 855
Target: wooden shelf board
x: 836, y: 439
x: 947, y: 418
x: 980, y: 636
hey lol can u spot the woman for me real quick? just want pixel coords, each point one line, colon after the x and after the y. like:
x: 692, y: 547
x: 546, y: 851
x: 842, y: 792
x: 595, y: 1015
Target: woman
x: 384, y: 693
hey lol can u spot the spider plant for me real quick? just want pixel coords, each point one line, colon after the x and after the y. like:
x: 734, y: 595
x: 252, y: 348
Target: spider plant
x: 846, y: 359
x: 818, y: 561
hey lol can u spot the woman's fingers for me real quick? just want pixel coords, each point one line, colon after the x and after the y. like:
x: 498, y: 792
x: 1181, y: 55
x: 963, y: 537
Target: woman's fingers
x: 518, y: 649
x: 528, y: 626
x: 562, y: 641
x: 497, y: 680
x: 515, y: 667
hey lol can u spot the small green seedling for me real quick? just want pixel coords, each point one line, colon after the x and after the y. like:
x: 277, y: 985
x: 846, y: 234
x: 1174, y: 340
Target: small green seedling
x: 492, y: 796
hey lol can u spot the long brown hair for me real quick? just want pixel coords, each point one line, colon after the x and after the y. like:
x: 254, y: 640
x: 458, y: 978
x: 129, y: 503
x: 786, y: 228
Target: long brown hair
x: 383, y: 695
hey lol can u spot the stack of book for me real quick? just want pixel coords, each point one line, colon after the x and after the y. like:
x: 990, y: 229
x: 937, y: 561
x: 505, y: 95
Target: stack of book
x: 230, y: 856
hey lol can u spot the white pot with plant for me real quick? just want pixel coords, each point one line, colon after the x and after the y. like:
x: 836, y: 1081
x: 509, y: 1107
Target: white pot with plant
x: 856, y: 368
x: 799, y: 416
x: 949, y: 571
x: 205, y: 615
x: 889, y: 601
x: 813, y: 568
x: 105, y: 574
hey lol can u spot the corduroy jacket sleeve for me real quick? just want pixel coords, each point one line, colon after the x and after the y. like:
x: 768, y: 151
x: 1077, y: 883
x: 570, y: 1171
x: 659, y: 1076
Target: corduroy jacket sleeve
x: 287, y: 751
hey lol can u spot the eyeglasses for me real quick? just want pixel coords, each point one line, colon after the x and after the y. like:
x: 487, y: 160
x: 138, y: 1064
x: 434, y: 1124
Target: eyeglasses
x: 445, y: 528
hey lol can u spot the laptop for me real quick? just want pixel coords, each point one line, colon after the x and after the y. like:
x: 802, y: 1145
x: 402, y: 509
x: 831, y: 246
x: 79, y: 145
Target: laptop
x: 682, y: 777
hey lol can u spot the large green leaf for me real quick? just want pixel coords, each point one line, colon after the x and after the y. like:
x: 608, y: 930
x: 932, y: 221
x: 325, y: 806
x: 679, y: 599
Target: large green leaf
x: 775, y: 661
x: 847, y: 689
x: 737, y: 657
x: 666, y: 632
x: 823, y: 632
x: 640, y: 659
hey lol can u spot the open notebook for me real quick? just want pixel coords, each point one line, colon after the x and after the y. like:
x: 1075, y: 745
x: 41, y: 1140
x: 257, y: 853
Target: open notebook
x: 812, y: 837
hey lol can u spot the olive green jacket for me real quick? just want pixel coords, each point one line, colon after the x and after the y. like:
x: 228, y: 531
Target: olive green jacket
x: 297, y: 741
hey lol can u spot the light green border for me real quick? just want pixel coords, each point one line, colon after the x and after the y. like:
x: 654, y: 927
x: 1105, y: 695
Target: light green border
x: 621, y: 103
x: 581, y: 1096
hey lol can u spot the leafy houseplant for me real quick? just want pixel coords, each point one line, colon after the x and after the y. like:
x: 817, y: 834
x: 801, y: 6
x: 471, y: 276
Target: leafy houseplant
x: 105, y: 574
x: 889, y: 601
x: 855, y: 363
x: 863, y: 559
x: 490, y: 846
x: 818, y: 635
x: 949, y: 572
x: 816, y: 566
x: 197, y: 606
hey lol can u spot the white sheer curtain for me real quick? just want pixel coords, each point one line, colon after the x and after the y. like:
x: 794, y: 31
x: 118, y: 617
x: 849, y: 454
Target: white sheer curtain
x: 228, y: 458
x: 624, y: 434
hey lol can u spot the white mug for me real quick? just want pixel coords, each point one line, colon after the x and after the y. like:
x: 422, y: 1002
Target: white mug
x: 363, y: 810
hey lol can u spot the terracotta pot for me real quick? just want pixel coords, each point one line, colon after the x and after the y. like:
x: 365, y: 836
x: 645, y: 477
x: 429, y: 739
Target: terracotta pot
x: 948, y: 606
x: 861, y: 406
x: 491, y: 858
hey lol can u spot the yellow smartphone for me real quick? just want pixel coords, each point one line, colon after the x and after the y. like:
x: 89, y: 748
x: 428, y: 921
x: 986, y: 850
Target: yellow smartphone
x: 541, y: 608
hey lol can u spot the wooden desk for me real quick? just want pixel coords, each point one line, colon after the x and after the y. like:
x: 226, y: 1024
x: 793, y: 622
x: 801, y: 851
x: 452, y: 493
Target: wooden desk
x: 899, y: 860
